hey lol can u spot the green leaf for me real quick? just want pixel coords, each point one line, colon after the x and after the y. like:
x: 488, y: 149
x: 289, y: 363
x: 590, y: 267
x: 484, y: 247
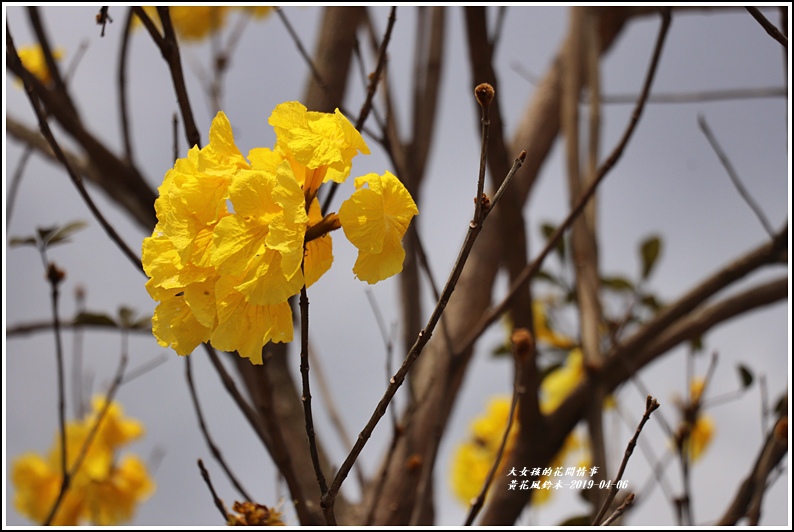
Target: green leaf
x: 651, y: 302
x: 781, y: 406
x: 23, y: 241
x: 62, y: 235
x: 46, y: 232
x: 618, y: 284
x: 649, y: 249
x: 501, y: 350
x: 696, y: 344
x: 126, y: 317
x: 745, y: 375
x: 142, y: 323
x: 94, y: 318
x: 548, y: 230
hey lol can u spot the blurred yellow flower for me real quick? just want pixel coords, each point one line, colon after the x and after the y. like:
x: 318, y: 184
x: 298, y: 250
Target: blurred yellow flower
x: 32, y: 59
x: 375, y: 220
x: 252, y: 514
x: 474, y: 457
x: 103, y: 491
x: 543, y: 333
x: 559, y: 383
x: 696, y: 429
x: 191, y: 23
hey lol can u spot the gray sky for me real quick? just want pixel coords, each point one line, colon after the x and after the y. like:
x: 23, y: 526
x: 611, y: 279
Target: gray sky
x: 669, y: 182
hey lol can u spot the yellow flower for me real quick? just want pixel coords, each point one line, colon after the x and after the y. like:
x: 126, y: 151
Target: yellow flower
x: 191, y: 23
x: 700, y: 436
x: 474, y: 457
x: 319, y: 146
x: 177, y: 257
x: 696, y: 429
x: 101, y: 491
x: 33, y: 59
x: 374, y: 220
x: 558, y: 384
x: 544, y: 334
x: 260, y: 12
x: 252, y: 514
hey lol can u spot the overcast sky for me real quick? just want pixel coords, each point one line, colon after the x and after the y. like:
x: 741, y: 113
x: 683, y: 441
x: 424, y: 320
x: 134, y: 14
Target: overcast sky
x: 669, y: 183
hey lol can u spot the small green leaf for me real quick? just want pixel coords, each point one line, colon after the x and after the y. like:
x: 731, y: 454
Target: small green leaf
x: 501, y: 350
x: 63, y: 234
x: 618, y: 284
x: 696, y: 344
x: 781, y: 406
x: 94, y: 318
x: 651, y: 302
x: 745, y: 375
x: 142, y: 323
x: 649, y: 249
x: 20, y: 241
x: 548, y: 230
x: 126, y: 317
x: 46, y: 232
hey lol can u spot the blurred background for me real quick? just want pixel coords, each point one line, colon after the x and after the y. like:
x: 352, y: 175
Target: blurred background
x: 669, y: 183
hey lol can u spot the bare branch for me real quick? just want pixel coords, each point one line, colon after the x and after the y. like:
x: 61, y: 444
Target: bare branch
x: 768, y: 26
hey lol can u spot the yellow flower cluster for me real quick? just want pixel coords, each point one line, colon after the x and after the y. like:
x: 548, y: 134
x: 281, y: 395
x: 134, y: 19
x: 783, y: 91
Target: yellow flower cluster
x: 696, y: 429
x: 193, y: 23
x: 105, y: 491
x: 33, y: 60
x: 252, y: 514
x: 223, y: 274
x: 474, y: 457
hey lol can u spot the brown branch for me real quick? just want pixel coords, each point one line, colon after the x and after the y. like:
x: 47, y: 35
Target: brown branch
x: 424, y: 336
x: 140, y: 204
x: 306, y: 398
x: 620, y: 510
x: 747, y: 501
x: 650, y: 405
x: 114, y: 386
x: 737, y: 182
x: 32, y: 89
x: 214, y: 450
x: 768, y: 26
x: 122, y: 86
x: 217, y: 500
x: 523, y: 353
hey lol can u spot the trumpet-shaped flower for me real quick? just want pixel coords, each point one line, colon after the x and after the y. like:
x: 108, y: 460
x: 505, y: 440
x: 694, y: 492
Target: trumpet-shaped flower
x: 33, y: 60
x: 374, y: 220
x: 319, y: 146
x: 235, y: 240
x: 103, y: 491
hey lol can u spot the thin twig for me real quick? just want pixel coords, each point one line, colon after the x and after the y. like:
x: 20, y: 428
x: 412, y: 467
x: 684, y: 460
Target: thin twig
x: 768, y: 26
x: 373, y: 85
x: 169, y: 49
x: 216, y: 453
x: 117, y: 380
x: 122, y: 86
x: 551, y: 243
x: 49, y: 59
x: 650, y: 405
x: 424, y: 336
x: 218, y: 502
x: 737, y: 182
x: 306, y: 396
x: 619, y: 510
x: 304, y: 54
x: 521, y: 354
x: 16, y: 66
